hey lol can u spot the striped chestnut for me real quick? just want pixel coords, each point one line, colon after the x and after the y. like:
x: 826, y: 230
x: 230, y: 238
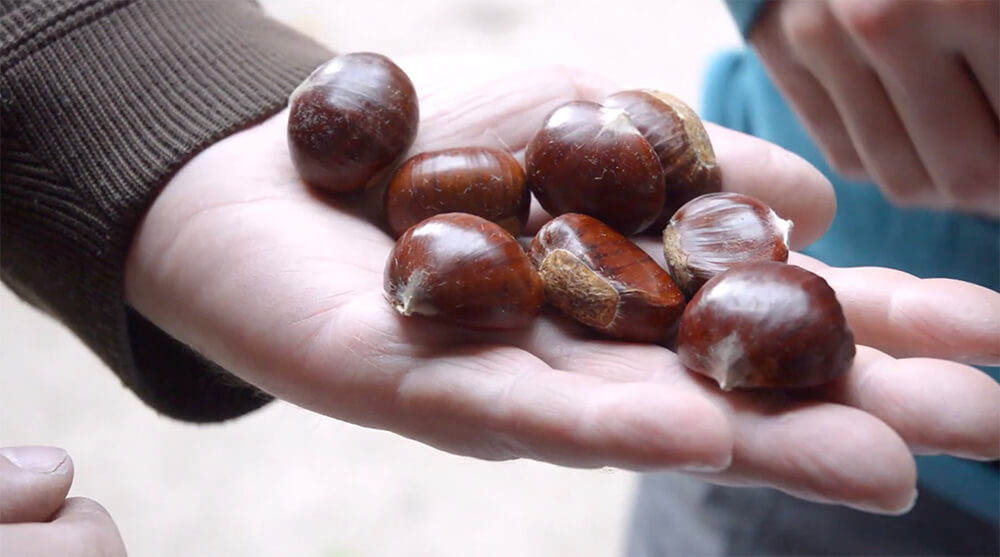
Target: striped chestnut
x: 766, y: 324
x: 679, y: 138
x: 593, y: 160
x: 351, y: 121
x: 601, y: 279
x: 482, y: 181
x: 717, y: 231
x: 464, y: 270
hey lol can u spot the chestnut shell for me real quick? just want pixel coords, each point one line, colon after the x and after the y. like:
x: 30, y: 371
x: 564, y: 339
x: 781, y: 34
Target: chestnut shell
x: 603, y: 280
x: 766, y: 325
x: 593, y: 160
x: 482, y: 181
x: 679, y: 138
x: 465, y: 270
x: 351, y: 121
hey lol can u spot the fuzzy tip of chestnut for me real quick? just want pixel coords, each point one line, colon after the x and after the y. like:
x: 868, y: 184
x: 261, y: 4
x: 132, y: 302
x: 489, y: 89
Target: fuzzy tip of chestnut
x: 766, y: 325
x: 351, y: 121
x: 464, y: 270
x: 714, y: 232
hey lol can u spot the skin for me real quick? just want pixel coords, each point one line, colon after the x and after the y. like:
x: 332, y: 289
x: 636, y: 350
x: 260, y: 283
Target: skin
x: 903, y: 93
x: 283, y: 288
x: 36, y: 518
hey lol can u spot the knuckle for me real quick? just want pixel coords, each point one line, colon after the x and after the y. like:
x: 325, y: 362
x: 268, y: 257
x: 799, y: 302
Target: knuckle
x: 874, y: 19
x: 807, y: 24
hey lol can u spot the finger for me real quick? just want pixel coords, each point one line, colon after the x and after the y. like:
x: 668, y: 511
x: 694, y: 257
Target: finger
x: 906, y: 316
x: 81, y: 528
x: 500, y: 402
x: 783, y: 180
x: 977, y: 35
x: 819, y: 452
x: 34, y: 482
x: 807, y: 97
x: 937, y: 407
x: 868, y: 114
x: 778, y: 444
x: 942, y: 108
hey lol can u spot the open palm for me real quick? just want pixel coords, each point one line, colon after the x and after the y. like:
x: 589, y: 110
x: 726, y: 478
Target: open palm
x: 282, y: 287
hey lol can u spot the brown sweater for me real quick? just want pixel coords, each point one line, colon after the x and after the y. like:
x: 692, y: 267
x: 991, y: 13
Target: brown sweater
x: 102, y: 101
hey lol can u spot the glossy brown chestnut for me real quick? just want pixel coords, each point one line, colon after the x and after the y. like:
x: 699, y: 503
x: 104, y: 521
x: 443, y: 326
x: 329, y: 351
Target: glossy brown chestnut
x: 717, y: 231
x: 766, y: 324
x: 465, y: 270
x: 481, y: 181
x: 677, y: 134
x: 351, y: 121
x: 592, y: 160
x: 600, y: 278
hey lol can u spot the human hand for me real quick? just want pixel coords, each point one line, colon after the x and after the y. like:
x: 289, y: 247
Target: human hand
x: 904, y: 93
x: 35, y: 516
x: 283, y: 287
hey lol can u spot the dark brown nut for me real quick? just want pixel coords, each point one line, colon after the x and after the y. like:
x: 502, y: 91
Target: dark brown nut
x: 351, y: 121
x: 677, y: 134
x: 592, y: 160
x: 481, y: 181
x: 717, y: 231
x: 600, y: 278
x: 464, y: 270
x: 766, y: 324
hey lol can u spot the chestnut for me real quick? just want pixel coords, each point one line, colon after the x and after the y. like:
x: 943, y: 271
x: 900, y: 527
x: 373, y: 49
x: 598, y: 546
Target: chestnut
x: 600, y: 278
x: 677, y: 134
x: 716, y: 231
x: 477, y: 180
x: 350, y: 121
x: 766, y: 324
x: 592, y: 160
x: 464, y: 270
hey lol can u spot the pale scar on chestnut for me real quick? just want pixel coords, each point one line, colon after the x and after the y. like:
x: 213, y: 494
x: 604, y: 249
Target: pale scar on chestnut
x: 700, y: 142
x: 573, y: 287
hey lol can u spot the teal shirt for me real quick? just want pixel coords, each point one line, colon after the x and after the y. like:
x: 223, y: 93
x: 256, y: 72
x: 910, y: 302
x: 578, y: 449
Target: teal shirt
x: 868, y: 230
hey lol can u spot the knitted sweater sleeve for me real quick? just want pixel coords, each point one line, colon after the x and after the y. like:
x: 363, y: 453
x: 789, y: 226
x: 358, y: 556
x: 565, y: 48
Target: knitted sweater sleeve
x: 102, y: 101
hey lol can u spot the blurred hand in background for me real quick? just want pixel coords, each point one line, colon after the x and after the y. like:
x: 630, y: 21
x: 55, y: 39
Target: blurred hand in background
x: 902, y: 93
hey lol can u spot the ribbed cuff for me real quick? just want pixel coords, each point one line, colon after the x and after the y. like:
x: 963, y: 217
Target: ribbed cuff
x: 103, y: 100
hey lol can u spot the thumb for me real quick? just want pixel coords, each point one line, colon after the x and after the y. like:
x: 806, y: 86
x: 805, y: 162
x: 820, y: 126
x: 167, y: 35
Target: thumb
x: 34, y: 482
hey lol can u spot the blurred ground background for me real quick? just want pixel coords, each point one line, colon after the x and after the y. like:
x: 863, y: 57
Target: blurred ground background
x: 284, y: 481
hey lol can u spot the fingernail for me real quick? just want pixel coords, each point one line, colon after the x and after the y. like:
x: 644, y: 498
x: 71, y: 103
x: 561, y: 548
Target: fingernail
x: 913, y: 502
x: 40, y: 460
x: 875, y: 509
x: 718, y: 466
